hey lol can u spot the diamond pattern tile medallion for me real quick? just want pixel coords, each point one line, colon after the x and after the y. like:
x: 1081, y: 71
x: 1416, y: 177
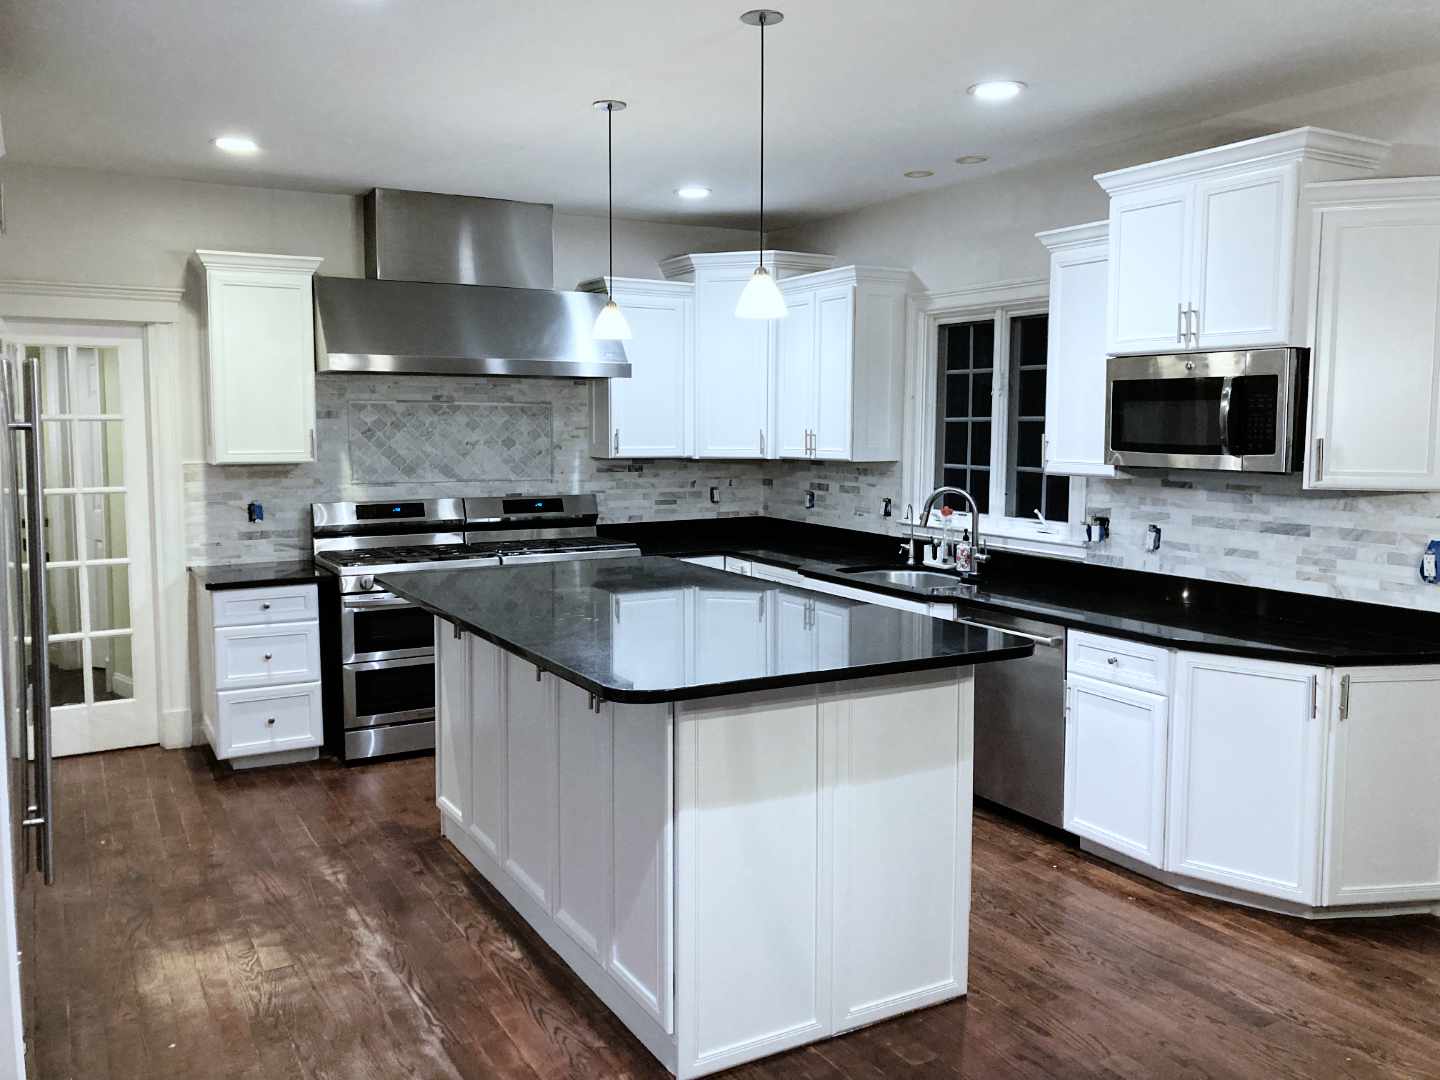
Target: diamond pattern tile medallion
x: 396, y: 442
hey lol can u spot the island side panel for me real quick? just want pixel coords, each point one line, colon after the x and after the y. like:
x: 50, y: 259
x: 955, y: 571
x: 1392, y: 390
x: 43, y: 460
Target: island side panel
x: 902, y: 764
x: 752, y: 878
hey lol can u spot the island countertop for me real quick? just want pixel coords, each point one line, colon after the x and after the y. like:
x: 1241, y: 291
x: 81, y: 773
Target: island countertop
x: 652, y: 629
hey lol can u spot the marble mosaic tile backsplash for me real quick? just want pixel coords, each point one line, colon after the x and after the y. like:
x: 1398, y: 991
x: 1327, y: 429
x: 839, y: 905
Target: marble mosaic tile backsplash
x: 387, y: 437
x: 479, y: 436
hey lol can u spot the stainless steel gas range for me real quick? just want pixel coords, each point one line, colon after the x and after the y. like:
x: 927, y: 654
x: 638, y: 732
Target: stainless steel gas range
x: 387, y: 644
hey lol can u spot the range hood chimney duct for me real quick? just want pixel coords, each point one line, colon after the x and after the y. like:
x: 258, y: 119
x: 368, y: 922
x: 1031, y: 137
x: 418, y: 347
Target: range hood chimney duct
x: 457, y: 285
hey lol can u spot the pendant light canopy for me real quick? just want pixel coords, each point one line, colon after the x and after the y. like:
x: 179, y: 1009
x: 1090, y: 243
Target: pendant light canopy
x: 761, y: 297
x: 610, y: 324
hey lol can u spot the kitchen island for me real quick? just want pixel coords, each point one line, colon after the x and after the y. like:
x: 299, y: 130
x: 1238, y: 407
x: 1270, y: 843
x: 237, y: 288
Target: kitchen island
x: 740, y: 812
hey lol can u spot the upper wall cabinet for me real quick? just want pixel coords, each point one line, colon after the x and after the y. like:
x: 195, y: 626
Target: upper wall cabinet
x: 648, y: 414
x: 260, y: 358
x: 1075, y: 365
x: 1375, y: 362
x: 840, y: 365
x: 1207, y: 250
x: 734, y: 357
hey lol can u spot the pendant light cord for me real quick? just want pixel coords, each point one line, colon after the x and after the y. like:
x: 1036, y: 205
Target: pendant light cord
x: 610, y: 194
x: 762, y: 141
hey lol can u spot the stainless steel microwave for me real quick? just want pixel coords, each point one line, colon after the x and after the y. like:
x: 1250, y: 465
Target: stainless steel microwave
x: 1231, y: 411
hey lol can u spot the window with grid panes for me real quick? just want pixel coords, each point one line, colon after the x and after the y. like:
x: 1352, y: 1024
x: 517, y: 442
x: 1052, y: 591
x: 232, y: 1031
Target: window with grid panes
x: 982, y: 386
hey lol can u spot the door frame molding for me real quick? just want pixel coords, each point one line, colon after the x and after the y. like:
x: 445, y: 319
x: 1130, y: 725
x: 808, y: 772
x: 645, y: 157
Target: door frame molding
x: 155, y: 312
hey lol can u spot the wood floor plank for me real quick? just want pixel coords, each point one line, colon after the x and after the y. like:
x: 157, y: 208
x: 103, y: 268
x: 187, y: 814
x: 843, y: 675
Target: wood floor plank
x: 309, y: 923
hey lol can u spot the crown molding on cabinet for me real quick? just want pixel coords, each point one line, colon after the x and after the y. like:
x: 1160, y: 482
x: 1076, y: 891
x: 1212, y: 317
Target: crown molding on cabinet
x: 782, y: 264
x: 1310, y: 143
x: 1073, y: 236
x: 1338, y: 193
x: 247, y: 260
x: 635, y: 286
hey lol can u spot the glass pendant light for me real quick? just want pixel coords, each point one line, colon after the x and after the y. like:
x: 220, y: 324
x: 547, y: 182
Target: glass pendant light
x: 761, y: 297
x: 610, y: 324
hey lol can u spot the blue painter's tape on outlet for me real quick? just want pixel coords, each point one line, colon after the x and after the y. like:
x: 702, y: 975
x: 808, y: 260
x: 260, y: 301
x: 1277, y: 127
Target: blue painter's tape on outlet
x: 1428, y: 561
x: 256, y: 511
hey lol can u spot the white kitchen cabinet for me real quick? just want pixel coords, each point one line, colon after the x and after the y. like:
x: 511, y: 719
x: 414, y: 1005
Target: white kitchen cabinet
x: 259, y: 358
x: 1076, y: 358
x: 1207, y: 250
x: 660, y: 656
x: 1116, y: 741
x: 455, y: 734
x: 734, y: 357
x: 1246, y: 755
x: 1382, y: 820
x: 260, y: 690
x: 531, y: 781
x: 840, y: 363
x: 487, y: 756
x: 809, y: 632
x: 649, y: 414
x: 583, y: 830
x: 1375, y: 364
x: 731, y: 637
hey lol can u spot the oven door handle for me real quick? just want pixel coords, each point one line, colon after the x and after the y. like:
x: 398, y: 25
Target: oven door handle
x: 381, y: 665
x: 376, y: 600
x: 1225, y: 392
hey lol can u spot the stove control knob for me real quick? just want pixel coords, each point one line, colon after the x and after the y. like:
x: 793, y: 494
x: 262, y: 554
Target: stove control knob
x: 367, y: 583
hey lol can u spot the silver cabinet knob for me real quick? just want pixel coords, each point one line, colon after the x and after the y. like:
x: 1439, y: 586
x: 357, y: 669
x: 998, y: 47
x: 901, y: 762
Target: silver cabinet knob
x: 270, y: 721
x: 269, y: 657
x: 264, y: 605
x: 1111, y: 660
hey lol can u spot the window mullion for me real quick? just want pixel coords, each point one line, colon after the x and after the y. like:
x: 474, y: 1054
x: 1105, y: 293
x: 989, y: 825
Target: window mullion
x: 1001, y: 421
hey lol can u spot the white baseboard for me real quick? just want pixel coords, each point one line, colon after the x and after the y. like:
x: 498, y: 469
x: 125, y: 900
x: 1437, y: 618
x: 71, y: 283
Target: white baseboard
x: 178, y: 729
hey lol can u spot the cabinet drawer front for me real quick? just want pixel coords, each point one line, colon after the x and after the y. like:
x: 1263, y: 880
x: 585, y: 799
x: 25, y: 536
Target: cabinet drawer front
x: 266, y: 655
x: 256, y: 607
x: 1127, y: 663
x: 268, y: 721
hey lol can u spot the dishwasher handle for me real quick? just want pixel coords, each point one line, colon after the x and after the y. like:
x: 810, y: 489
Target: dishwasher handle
x: 1048, y: 642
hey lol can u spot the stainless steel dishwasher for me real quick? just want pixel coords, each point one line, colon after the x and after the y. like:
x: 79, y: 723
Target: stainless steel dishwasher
x: 1020, y: 720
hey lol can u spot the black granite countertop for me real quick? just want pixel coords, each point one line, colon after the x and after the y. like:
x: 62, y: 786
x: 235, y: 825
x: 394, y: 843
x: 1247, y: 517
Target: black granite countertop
x: 1174, y: 612
x: 257, y: 575
x: 657, y: 629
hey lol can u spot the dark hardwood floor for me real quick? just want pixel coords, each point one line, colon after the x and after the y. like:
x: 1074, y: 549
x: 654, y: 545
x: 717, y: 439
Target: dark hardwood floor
x: 310, y: 922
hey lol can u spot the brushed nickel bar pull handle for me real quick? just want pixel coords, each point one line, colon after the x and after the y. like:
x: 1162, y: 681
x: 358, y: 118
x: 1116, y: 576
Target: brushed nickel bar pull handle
x: 617, y: 441
x: 39, y: 630
x: 1319, y: 459
x: 28, y: 809
x: 1179, y: 324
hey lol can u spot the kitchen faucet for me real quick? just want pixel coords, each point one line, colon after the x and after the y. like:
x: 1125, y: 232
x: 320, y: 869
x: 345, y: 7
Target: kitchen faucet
x: 978, y: 552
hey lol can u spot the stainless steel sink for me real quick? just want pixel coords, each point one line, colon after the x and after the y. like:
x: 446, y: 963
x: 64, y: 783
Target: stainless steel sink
x: 923, y: 581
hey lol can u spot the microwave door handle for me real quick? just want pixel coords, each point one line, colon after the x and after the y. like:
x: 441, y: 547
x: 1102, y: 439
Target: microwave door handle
x: 1225, y: 392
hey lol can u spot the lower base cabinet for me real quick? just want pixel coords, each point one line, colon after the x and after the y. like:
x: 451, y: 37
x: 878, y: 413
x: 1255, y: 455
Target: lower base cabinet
x: 1246, y: 769
x: 1116, y: 749
x: 733, y: 876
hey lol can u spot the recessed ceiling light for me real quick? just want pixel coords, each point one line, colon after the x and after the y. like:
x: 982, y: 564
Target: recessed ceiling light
x: 236, y: 144
x: 693, y: 191
x: 998, y: 90
x: 972, y: 159
x: 919, y: 174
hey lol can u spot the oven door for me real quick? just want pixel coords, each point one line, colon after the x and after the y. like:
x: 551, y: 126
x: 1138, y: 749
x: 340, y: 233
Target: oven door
x: 389, y: 691
x: 383, y: 626
x: 1232, y: 411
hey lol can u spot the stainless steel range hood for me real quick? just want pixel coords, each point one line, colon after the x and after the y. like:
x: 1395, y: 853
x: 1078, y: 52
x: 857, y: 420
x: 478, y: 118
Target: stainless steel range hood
x: 459, y: 286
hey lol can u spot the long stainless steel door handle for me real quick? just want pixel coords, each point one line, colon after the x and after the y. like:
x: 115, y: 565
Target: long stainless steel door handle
x: 1179, y: 324
x: 28, y: 809
x: 39, y: 627
x: 1319, y: 469
x: 617, y: 441
x: 1050, y: 642
x: 1227, y: 388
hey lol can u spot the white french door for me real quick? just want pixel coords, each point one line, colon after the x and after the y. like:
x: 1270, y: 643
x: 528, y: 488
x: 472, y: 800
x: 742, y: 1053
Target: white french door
x: 96, y: 492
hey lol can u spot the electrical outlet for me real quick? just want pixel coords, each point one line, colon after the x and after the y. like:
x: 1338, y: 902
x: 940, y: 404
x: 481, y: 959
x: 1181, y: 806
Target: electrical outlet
x: 809, y: 500
x: 1152, y: 538
x: 255, y: 511
x: 1429, y: 570
x: 887, y: 508
x: 714, y: 494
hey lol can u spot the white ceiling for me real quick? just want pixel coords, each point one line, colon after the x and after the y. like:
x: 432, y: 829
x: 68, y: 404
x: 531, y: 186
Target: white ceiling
x: 494, y: 98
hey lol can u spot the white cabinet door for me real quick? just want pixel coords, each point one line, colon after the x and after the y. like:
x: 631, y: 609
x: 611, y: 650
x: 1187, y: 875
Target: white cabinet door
x: 454, y: 734
x: 731, y: 636
x: 1115, y: 762
x: 1149, y: 269
x: 531, y: 781
x: 582, y: 880
x: 835, y: 372
x: 1382, y: 835
x: 487, y: 756
x: 260, y: 358
x: 830, y: 623
x: 1375, y: 422
x: 1246, y: 757
x: 732, y: 374
x: 648, y: 411
x: 796, y: 371
x: 794, y: 634
x: 1245, y: 258
x: 1075, y: 367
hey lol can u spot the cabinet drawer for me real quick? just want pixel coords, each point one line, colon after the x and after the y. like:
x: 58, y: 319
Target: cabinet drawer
x: 266, y: 655
x: 1127, y: 663
x: 254, y: 607
x: 268, y: 721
